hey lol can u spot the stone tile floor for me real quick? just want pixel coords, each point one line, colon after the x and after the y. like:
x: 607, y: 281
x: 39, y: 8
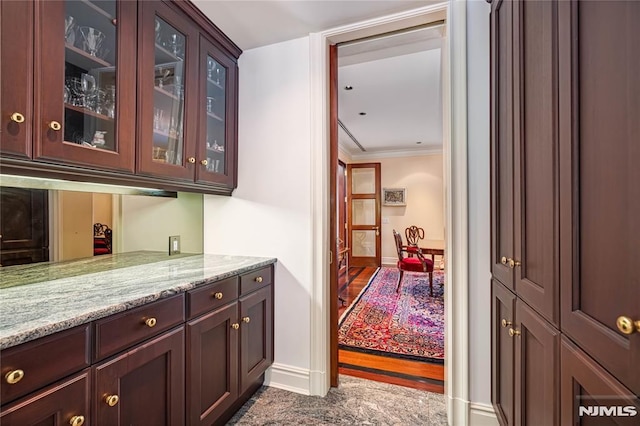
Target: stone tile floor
x: 355, y: 402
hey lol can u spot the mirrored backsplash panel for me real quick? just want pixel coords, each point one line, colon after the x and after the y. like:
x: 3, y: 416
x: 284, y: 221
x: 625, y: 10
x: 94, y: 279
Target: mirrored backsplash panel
x: 39, y: 225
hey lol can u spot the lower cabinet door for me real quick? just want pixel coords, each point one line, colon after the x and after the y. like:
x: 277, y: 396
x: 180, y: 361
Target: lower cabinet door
x: 503, y: 319
x: 590, y: 395
x: 59, y: 404
x: 212, y: 364
x: 143, y: 386
x: 536, y: 369
x: 256, y: 335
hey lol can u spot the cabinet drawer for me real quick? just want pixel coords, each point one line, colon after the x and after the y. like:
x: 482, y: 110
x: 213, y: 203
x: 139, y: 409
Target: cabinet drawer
x: 118, y: 332
x: 43, y: 361
x: 211, y: 296
x: 256, y: 279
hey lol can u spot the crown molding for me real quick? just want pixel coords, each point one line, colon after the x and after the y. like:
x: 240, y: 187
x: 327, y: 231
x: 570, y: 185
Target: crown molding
x: 397, y: 153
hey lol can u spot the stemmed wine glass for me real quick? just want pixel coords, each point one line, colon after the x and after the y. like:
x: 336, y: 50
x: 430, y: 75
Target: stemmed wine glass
x: 92, y: 39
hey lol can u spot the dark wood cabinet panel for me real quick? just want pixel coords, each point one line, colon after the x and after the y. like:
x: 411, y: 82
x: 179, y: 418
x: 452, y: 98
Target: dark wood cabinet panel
x: 502, y: 243
x: 56, y: 405
x: 212, y: 365
x: 586, y: 389
x: 537, y: 364
x: 256, y: 334
x: 16, y: 86
x: 148, y: 382
x: 502, y: 352
x: 24, y: 226
x: 600, y: 199
x: 536, y: 216
x: 70, y: 349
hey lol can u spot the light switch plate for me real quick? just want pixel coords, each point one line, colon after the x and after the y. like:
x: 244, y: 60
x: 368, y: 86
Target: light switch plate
x: 174, y: 245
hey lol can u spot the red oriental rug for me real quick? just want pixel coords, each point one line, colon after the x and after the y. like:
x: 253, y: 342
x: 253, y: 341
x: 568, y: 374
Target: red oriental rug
x: 408, y: 324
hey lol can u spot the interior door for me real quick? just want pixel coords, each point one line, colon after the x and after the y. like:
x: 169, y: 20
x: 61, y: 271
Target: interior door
x: 363, y: 211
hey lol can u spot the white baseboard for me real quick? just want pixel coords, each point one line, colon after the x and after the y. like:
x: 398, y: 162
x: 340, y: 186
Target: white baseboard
x: 482, y: 415
x: 389, y: 261
x: 289, y: 378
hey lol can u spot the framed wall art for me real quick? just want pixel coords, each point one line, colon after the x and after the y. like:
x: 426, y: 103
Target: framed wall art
x: 394, y: 196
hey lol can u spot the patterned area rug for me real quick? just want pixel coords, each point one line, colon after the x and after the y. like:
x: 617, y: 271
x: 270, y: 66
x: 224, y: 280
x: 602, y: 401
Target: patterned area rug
x: 408, y: 324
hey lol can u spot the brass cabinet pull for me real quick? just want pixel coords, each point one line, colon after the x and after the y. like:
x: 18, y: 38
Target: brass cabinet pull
x: 627, y: 326
x: 514, y: 332
x: 192, y: 160
x: 503, y: 260
x: 54, y: 125
x: 235, y: 326
x: 150, y: 322
x: 218, y: 295
x: 204, y: 162
x: 246, y: 319
x: 16, y: 117
x: 112, y: 400
x: 14, y: 376
x: 505, y: 323
x: 259, y: 279
x: 76, y: 421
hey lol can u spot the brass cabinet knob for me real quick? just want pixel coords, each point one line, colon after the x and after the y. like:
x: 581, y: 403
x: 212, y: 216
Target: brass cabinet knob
x: 204, y: 162
x: 505, y: 323
x: 14, y: 376
x: 513, y: 263
x: 503, y: 260
x: 235, y: 326
x: 628, y: 326
x: 54, y: 125
x: 246, y: 319
x: 76, y: 421
x: 192, y: 160
x: 259, y: 279
x: 150, y: 322
x: 16, y: 117
x: 111, y: 400
x: 218, y: 295
x: 514, y: 332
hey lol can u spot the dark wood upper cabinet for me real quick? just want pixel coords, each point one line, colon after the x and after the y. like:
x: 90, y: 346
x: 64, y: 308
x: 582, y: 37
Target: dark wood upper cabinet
x: 535, y: 177
x: 139, y: 93
x: 85, y: 60
x: 187, y: 91
x: 16, y: 84
x: 599, y: 193
x: 502, y: 141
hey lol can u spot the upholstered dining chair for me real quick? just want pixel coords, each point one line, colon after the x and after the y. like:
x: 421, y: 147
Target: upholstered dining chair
x: 413, y: 235
x: 412, y: 264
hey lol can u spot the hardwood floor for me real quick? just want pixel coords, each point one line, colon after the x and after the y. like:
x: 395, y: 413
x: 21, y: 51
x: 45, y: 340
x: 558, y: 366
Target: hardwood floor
x: 413, y: 374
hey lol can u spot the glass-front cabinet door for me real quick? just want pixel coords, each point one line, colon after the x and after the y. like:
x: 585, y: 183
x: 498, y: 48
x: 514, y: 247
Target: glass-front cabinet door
x: 85, y: 86
x: 168, y: 89
x: 216, y: 149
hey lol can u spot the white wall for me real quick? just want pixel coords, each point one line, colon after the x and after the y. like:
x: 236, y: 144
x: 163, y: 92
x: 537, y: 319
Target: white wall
x: 479, y: 200
x: 269, y: 214
x: 147, y: 222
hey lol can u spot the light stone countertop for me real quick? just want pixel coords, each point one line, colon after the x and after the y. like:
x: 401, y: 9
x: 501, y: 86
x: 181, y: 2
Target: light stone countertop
x: 38, y: 309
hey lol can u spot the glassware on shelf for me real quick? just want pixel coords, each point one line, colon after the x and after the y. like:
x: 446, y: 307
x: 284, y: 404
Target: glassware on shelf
x: 158, y: 118
x: 91, y: 39
x: 70, y: 30
x: 210, y: 104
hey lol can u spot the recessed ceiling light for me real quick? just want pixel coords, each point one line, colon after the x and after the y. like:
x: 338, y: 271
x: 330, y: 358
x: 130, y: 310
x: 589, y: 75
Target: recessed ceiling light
x: 363, y: 113
x: 419, y: 142
x: 348, y: 87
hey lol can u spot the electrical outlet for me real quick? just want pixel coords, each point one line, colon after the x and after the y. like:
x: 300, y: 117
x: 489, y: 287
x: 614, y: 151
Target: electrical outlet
x: 174, y: 245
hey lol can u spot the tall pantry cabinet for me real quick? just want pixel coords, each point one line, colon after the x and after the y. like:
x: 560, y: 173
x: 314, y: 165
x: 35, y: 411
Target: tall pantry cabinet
x: 565, y: 142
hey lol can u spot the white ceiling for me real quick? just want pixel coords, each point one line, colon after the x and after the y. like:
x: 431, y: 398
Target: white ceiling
x: 395, y: 79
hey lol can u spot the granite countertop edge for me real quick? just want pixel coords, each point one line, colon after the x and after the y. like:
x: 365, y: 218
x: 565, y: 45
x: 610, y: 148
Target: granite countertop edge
x: 10, y: 337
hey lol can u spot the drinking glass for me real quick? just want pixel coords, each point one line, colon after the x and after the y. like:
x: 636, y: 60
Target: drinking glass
x: 92, y: 39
